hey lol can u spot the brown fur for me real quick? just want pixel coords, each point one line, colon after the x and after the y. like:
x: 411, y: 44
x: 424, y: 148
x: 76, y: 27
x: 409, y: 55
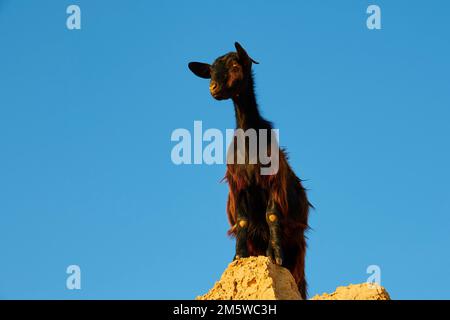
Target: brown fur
x: 251, y: 193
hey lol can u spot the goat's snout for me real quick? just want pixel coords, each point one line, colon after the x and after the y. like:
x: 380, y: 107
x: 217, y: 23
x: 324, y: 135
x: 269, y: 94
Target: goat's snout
x: 213, y: 87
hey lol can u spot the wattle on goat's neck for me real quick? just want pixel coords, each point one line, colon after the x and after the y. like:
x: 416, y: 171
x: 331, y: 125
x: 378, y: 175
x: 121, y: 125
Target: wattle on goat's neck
x: 246, y: 109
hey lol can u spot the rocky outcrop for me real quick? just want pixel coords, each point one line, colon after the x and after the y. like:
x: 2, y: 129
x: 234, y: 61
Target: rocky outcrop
x: 254, y: 278
x: 363, y: 291
x: 257, y: 278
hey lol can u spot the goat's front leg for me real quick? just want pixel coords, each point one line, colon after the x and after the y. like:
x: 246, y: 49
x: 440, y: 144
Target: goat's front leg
x: 273, y: 216
x: 241, y: 229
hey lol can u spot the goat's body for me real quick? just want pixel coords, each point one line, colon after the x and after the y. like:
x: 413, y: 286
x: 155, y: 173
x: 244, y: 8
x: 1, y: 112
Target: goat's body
x: 268, y: 213
x: 294, y: 221
x: 252, y: 191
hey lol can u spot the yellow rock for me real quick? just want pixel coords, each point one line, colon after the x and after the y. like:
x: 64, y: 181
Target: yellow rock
x: 257, y: 278
x: 363, y: 291
x: 254, y: 278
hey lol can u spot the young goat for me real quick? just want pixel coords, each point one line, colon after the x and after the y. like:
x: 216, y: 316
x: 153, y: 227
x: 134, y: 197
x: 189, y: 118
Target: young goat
x: 268, y: 214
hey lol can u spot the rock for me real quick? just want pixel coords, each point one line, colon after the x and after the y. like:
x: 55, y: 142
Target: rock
x: 257, y: 278
x: 363, y: 291
x: 254, y: 278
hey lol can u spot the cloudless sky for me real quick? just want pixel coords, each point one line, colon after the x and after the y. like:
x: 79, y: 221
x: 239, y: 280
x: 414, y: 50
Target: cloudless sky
x: 86, y: 117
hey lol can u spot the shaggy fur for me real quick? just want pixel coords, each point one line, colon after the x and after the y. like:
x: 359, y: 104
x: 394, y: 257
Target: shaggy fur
x: 254, y: 197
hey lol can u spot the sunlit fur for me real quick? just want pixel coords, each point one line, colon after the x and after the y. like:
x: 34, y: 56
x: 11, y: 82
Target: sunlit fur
x: 248, y: 189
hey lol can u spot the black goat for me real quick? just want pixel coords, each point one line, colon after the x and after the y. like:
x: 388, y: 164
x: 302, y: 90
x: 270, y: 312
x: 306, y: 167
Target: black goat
x: 268, y: 213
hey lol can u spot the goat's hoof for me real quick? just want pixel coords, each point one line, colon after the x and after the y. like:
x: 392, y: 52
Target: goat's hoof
x: 275, y: 255
x: 278, y: 255
x: 279, y: 261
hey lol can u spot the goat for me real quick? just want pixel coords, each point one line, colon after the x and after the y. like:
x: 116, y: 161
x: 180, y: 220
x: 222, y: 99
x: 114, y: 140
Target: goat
x: 268, y: 214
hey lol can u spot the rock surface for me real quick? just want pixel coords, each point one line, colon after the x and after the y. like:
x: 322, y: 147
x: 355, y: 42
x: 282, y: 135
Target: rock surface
x: 254, y: 278
x: 257, y: 278
x: 363, y: 291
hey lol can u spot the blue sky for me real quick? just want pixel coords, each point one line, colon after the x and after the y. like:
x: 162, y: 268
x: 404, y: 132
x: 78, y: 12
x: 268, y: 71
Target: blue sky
x: 86, y: 118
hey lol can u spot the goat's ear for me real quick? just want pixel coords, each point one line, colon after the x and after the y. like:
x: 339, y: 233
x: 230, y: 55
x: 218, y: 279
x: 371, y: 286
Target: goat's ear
x: 202, y: 70
x: 242, y: 54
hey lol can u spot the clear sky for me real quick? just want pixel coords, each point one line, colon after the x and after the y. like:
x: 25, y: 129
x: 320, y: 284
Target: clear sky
x: 86, y: 117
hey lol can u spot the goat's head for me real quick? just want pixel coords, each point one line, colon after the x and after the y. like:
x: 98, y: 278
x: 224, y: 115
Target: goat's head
x: 229, y: 73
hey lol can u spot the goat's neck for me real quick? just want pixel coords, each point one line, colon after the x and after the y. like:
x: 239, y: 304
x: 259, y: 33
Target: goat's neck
x: 246, y: 109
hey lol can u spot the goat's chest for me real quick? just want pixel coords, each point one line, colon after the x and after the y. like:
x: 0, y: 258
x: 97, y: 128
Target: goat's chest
x: 243, y: 165
x: 248, y: 171
x: 244, y: 176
